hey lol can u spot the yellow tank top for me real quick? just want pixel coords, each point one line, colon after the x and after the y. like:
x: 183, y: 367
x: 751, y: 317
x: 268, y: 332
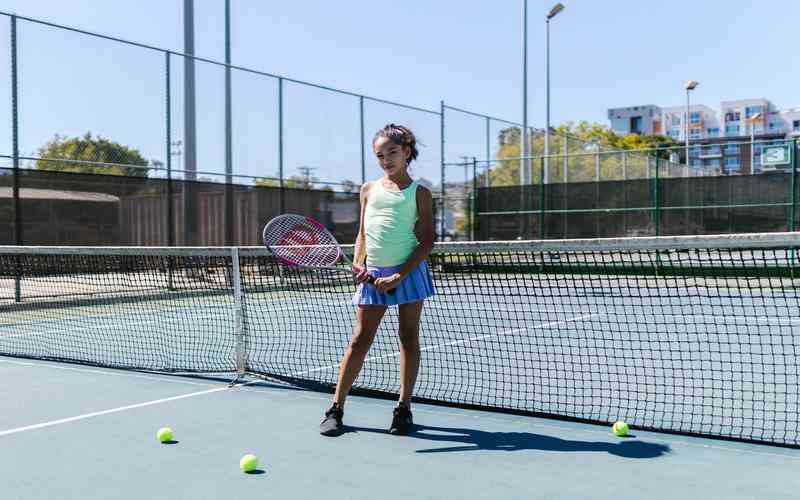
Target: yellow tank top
x: 389, y: 220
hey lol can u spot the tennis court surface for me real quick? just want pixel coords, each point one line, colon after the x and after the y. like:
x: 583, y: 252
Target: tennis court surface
x: 685, y: 338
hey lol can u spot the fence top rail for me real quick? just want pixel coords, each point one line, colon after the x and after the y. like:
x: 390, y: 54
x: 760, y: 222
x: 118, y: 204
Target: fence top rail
x: 214, y: 62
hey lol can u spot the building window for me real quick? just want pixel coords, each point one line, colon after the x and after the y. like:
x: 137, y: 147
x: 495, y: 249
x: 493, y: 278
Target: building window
x: 733, y: 116
x: 695, y: 134
x: 751, y: 110
x: 732, y: 162
x: 732, y: 130
x: 676, y: 120
x: 696, y: 163
x: 796, y: 125
x: 695, y: 117
x: 714, y: 163
x: 713, y: 132
x: 636, y: 125
x: 712, y: 150
x: 732, y: 149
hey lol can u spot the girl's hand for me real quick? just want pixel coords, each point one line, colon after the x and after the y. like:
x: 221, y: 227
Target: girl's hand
x: 361, y: 274
x: 388, y: 282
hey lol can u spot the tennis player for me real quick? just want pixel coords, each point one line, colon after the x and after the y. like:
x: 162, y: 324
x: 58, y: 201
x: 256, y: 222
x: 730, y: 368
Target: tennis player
x: 395, y: 236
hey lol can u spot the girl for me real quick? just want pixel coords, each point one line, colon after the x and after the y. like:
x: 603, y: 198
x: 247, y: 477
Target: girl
x: 395, y: 236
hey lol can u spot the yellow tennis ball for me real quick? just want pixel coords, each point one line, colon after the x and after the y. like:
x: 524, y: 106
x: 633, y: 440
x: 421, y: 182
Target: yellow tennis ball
x: 165, y: 434
x: 248, y: 463
x: 620, y: 428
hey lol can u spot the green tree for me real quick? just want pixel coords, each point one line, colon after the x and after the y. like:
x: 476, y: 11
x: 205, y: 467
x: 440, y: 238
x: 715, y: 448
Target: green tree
x: 587, y: 146
x: 93, y: 155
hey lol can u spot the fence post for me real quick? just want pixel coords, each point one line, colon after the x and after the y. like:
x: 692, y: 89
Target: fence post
x: 281, y: 195
x: 15, y: 158
x: 170, y: 187
x: 656, y: 197
x: 229, y: 204
x: 542, y: 203
x: 793, y: 194
x: 363, y: 157
x: 442, y: 190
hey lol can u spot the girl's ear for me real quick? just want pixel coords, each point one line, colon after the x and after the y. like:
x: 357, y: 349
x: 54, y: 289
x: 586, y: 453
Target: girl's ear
x: 407, y: 153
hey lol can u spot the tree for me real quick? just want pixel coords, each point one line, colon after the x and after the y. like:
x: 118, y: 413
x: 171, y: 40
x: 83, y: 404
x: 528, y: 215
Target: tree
x: 349, y: 186
x: 591, y: 149
x: 101, y: 156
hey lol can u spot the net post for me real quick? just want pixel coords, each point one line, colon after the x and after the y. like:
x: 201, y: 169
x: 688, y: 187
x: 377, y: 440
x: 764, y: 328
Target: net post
x: 238, y: 315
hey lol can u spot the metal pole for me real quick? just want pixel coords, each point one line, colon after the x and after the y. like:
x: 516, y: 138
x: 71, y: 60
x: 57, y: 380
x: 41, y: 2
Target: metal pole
x: 473, y: 198
x: 487, y: 181
x: 525, y: 164
x: 793, y: 194
x: 597, y: 165
x: 566, y: 159
x: 363, y: 145
x: 752, y: 147
x: 15, y: 153
x: 229, y: 205
x: 624, y: 166
x: 15, y: 134
x: 542, y: 204
x: 657, y: 198
x: 686, y: 129
x: 281, y: 195
x: 441, y: 188
x: 190, y: 216
x: 170, y: 187
x: 546, y: 176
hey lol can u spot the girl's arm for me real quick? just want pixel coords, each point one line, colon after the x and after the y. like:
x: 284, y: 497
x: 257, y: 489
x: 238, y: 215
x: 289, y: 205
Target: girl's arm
x: 360, y: 247
x: 424, y: 229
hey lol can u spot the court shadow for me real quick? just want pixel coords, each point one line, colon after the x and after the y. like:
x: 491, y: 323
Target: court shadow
x: 256, y: 472
x: 171, y: 441
x: 463, y: 439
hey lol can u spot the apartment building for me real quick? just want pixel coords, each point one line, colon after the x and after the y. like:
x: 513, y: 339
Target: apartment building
x: 720, y: 141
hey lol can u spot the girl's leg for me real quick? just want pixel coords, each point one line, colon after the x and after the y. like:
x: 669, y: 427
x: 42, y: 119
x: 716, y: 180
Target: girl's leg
x: 368, y: 318
x: 409, y: 315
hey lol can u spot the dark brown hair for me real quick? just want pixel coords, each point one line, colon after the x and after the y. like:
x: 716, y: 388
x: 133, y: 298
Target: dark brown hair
x: 402, y: 136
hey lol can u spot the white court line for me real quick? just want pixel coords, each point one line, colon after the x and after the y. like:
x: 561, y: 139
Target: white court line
x: 105, y: 372
x: 106, y: 412
x: 462, y: 341
x: 120, y: 409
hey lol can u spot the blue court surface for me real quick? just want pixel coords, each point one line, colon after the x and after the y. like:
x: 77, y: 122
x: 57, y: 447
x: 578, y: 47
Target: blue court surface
x: 71, y: 431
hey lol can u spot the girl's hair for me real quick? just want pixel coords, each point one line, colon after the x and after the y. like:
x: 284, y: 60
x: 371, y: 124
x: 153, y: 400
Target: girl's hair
x: 400, y: 135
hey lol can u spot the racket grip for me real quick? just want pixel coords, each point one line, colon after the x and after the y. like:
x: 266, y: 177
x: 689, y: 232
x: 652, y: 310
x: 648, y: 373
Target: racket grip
x: 371, y: 281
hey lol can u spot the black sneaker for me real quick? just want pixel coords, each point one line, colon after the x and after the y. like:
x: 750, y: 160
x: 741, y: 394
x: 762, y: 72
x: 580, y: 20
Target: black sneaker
x: 402, y: 421
x: 332, y: 423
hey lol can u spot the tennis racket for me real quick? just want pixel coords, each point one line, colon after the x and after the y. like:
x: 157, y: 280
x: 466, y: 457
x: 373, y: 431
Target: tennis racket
x: 301, y: 241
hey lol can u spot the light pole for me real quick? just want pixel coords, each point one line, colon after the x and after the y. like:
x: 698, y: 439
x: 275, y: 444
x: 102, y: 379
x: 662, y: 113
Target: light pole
x: 690, y: 85
x: 553, y: 13
x: 752, y: 121
x: 524, y: 164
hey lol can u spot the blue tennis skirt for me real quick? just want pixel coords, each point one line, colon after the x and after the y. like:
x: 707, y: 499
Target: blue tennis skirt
x: 416, y: 286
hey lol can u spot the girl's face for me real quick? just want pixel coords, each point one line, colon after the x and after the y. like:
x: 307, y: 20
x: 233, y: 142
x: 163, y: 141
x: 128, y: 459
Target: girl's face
x: 391, y: 157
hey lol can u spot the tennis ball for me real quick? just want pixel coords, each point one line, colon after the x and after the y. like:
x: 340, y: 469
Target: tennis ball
x: 620, y: 428
x: 165, y: 434
x: 248, y: 463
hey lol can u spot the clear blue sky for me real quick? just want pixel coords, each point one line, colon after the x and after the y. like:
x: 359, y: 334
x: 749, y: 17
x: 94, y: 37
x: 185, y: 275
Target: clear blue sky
x: 604, y: 54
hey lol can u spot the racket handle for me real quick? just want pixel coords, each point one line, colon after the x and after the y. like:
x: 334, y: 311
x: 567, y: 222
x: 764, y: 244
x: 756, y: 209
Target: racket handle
x: 371, y: 281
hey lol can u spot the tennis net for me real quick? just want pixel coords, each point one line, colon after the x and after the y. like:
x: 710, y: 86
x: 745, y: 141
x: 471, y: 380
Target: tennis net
x: 696, y: 335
